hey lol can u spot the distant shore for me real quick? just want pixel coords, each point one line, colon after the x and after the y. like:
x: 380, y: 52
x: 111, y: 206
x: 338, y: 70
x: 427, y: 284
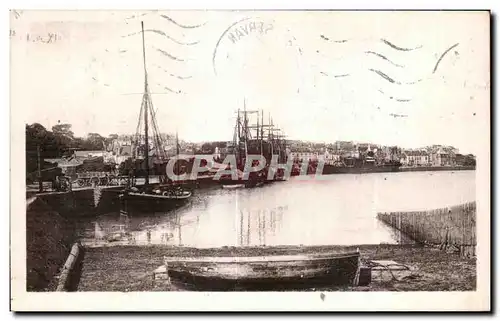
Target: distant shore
x: 436, y: 168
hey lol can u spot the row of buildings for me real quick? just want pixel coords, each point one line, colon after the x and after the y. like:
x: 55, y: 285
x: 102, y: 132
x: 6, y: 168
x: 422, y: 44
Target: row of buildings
x: 435, y: 155
x: 120, y: 150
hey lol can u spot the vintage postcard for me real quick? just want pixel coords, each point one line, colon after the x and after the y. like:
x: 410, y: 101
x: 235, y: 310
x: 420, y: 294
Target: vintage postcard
x: 306, y: 160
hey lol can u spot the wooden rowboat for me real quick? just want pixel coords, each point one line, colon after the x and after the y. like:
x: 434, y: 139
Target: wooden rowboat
x: 271, y: 273
x: 235, y: 186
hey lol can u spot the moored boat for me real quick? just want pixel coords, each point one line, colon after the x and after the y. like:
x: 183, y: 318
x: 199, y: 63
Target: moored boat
x: 149, y: 196
x: 274, y: 272
x: 154, y: 199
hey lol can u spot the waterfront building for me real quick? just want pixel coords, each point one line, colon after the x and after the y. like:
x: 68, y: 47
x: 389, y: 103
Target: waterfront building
x: 443, y: 157
x: 415, y: 158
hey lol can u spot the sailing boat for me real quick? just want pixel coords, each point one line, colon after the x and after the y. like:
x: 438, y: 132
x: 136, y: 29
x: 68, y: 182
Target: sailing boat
x: 241, y: 137
x: 159, y: 194
x: 228, y: 182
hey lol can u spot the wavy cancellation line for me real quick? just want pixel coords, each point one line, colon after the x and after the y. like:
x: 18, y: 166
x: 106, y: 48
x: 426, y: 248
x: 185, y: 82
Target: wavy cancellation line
x: 396, y: 47
x: 393, y: 46
x: 168, y: 89
x: 401, y: 100
x: 159, y: 32
x: 166, y: 17
x: 335, y: 76
x: 336, y: 41
x: 383, y: 57
x: 387, y: 42
x: 441, y: 58
x: 173, y: 75
x: 181, y: 25
x: 391, y: 80
x: 165, y: 53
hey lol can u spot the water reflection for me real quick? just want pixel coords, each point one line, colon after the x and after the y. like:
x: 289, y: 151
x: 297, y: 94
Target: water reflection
x: 340, y: 211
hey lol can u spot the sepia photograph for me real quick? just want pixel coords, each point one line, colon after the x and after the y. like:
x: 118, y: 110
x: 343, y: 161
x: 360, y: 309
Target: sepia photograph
x: 319, y: 153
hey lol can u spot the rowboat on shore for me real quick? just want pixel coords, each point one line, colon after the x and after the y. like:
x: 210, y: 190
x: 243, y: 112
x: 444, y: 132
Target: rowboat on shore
x: 261, y: 273
x: 233, y: 186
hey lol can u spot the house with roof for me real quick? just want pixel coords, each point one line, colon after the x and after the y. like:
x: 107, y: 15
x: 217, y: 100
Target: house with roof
x: 415, y: 158
x: 443, y: 157
x: 69, y: 166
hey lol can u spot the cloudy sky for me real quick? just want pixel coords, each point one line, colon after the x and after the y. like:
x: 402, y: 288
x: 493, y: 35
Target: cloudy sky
x: 405, y: 78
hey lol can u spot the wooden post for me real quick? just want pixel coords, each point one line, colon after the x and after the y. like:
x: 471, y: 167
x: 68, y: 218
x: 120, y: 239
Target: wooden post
x: 40, y: 182
x: 68, y: 267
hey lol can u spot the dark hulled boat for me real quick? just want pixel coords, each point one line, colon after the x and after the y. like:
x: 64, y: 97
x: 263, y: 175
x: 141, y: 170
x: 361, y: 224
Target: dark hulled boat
x: 157, y: 196
x: 274, y: 272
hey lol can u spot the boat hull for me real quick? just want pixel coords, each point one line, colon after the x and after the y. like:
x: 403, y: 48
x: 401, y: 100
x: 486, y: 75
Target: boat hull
x: 134, y: 203
x: 265, y: 274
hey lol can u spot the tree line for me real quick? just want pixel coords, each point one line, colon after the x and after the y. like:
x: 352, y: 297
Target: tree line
x: 58, y: 142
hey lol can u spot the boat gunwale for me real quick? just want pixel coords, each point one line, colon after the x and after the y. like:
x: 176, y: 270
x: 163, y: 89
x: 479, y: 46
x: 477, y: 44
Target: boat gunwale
x: 233, y: 186
x: 261, y: 259
x: 165, y: 197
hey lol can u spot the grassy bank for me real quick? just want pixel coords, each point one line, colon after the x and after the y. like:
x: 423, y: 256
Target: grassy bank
x: 128, y: 268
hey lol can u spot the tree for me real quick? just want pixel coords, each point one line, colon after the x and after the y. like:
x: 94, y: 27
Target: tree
x: 39, y: 139
x: 63, y: 130
x: 95, y: 141
x: 63, y: 137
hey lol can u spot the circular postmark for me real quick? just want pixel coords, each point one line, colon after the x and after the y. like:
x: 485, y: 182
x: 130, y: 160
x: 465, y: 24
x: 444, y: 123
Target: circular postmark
x: 239, y: 30
x: 259, y: 58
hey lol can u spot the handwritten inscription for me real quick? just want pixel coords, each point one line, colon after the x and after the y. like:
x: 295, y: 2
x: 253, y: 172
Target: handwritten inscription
x: 247, y: 28
x: 50, y: 37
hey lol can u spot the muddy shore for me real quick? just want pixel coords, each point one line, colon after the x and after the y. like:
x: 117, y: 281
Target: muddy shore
x: 129, y: 268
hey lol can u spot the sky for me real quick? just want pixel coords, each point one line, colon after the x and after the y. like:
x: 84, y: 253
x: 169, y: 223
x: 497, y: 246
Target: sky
x: 406, y: 78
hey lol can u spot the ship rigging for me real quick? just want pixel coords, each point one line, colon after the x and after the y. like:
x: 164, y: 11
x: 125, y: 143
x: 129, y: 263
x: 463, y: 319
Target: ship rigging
x: 157, y: 193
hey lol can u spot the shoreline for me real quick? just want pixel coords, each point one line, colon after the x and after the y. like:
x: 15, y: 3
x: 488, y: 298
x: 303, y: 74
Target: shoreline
x: 437, y: 168
x: 204, y: 181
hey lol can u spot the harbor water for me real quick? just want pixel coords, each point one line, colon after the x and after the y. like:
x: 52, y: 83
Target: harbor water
x: 336, y: 210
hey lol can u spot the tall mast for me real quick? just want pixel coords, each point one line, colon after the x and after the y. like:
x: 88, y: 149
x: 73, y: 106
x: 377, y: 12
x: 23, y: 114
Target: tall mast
x: 238, y: 137
x: 271, y: 134
x: 262, y: 134
x: 177, y: 149
x: 245, y: 126
x: 258, y: 125
x: 146, y: 109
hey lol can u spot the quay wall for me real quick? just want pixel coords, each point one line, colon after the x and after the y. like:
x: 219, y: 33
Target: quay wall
x: 50, y: 230
x: 48, y: 239
x: 449, y: 228
x: 81, y: 202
